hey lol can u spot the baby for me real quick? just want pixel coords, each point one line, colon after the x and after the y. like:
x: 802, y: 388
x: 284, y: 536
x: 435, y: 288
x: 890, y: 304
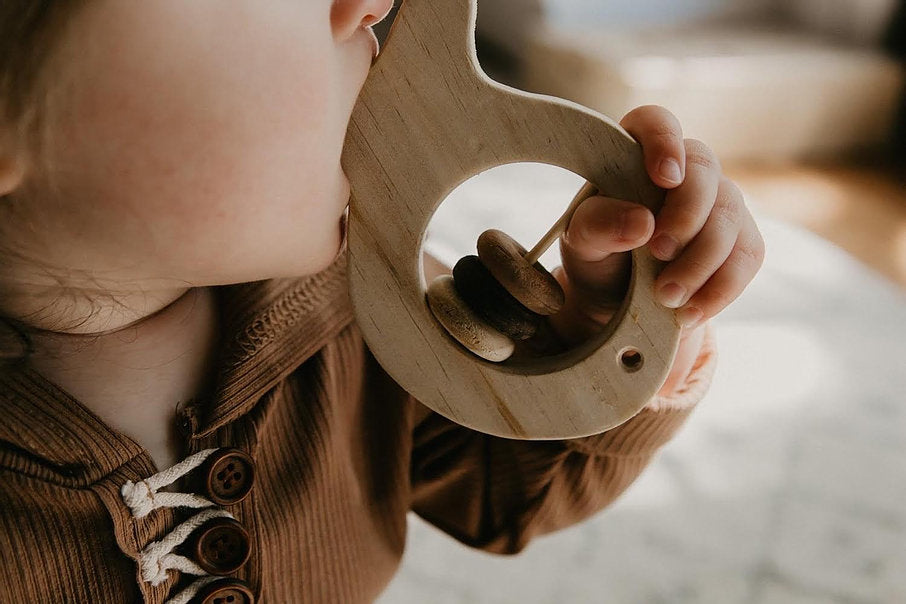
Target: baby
x: 189, y: 410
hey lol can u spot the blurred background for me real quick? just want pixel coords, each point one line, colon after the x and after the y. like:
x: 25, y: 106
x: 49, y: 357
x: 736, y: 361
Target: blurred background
x: 788, y: 484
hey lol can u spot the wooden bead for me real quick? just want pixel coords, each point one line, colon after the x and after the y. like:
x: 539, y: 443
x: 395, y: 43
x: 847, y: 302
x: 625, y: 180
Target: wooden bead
x: 464, y: 325
x: 532, y: 285
x: 483, y: 293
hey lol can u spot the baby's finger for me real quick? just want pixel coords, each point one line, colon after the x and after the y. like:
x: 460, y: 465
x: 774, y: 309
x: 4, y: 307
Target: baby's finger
x: 686, y: 208
x: 600, y: 229
x: 661, y: 137
x: 582, y: 315
x: 730, y: 279
x: 680, y: 279
x: 602, y: 226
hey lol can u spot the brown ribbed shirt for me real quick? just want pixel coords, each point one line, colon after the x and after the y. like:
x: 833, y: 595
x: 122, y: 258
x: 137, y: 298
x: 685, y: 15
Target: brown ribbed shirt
x: 341, y: 455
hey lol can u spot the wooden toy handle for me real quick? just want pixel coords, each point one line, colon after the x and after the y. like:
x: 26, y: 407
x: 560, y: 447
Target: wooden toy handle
x: 428, y: 118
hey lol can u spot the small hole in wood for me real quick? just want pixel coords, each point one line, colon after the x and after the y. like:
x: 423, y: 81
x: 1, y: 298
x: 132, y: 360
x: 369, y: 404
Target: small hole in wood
x: 631, y: 360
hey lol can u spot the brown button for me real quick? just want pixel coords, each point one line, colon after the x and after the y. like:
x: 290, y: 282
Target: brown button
x: 220, y: 546
x: 228, y: 476
x: 224, y: 591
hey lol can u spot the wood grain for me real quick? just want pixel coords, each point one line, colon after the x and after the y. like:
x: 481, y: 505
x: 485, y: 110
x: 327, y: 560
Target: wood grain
x: 428, y: 118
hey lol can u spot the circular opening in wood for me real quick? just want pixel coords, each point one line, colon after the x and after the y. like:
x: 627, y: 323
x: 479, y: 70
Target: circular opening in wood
x: 631, y: 360
x: 522, y: 200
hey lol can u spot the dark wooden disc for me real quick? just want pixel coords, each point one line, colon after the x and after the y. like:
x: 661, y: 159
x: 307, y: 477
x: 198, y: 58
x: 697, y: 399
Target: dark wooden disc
x: 487, y: 297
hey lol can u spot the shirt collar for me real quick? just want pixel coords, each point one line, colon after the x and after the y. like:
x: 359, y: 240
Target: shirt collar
x: 276, y: 326
x: 270, y: 328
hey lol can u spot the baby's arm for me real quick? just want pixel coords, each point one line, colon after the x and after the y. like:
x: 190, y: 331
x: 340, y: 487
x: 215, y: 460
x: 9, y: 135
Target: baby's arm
x: 495, y: 493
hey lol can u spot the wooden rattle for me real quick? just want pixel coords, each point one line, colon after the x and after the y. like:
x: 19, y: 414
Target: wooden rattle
x: 501, y: 295
x: 427, y: 119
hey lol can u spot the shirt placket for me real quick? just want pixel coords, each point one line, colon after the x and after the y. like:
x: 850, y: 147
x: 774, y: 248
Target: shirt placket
x: 196, y: 531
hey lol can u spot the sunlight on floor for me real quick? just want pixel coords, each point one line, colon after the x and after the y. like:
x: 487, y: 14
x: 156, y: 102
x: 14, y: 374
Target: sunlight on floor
x: 804, y: 199
x: 861, y: 209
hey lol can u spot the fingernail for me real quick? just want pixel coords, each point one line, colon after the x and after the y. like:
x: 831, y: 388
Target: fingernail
x: 689, y: 317
x: 670, y: 170
x: 671, y: 295
x: 665, y: 247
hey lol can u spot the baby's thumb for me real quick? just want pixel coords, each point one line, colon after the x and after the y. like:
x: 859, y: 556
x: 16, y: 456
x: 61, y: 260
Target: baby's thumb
x: 602, y: 226
x: 597, y: 270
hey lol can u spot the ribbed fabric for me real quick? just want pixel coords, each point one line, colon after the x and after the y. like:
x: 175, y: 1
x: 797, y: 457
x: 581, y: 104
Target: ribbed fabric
x: 342, y: 453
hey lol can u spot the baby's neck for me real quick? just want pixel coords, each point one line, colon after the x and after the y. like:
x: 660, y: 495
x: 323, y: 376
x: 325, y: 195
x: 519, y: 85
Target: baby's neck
x: 133, y: 378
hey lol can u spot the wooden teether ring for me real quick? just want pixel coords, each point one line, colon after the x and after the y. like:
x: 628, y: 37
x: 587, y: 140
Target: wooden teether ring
x: 428, y: 118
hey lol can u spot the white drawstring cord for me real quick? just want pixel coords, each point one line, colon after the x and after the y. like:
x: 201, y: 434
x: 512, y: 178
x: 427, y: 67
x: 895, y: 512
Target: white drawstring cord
x: 188, y: 593
x: 157, y: 558
x: 142, y: 497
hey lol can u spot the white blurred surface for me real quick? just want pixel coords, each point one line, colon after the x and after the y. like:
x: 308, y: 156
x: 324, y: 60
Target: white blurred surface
x: 788, y: 483
x: 750, y: 91
x: 508, y: 22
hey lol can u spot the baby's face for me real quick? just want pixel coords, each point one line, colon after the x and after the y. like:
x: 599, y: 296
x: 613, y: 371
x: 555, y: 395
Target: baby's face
x: 200, y: 141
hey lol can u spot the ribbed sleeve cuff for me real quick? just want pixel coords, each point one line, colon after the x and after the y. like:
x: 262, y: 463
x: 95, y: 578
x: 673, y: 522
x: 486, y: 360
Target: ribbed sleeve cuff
x: 660, y: 419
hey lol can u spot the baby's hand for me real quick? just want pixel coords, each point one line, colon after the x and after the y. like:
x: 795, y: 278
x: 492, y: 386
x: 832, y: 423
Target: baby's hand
x: 704, y: 231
